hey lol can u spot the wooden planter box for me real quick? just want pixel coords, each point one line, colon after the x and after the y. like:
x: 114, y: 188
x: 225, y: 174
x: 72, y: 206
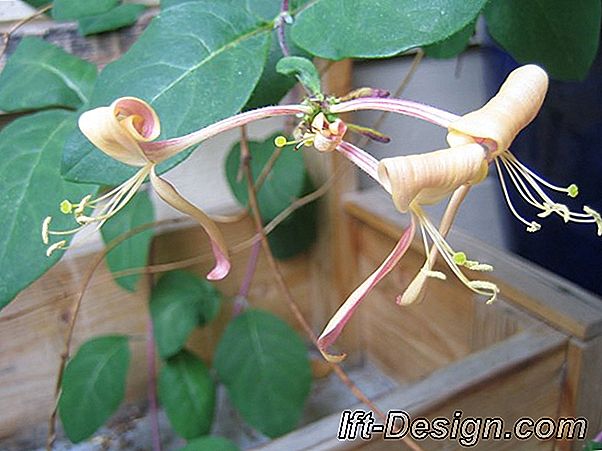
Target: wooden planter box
x: 536, y: 351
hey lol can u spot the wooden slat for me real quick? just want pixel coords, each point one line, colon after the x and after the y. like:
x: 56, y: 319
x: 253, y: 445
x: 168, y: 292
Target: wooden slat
x: 541, y: 293
x: 525, y: 371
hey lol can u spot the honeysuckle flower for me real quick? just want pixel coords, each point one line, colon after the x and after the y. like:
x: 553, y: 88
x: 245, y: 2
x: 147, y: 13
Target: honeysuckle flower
x: 126, y: 131
x: 476, y: 140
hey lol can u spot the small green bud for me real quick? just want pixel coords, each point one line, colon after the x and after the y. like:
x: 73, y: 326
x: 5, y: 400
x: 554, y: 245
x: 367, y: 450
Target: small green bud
x: 573, y: 190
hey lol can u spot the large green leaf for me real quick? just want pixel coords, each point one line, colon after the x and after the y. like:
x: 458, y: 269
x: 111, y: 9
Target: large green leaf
x: 337, y: 29
x: 562, y: 36
x: 119, y: 17
x: 263, y: 364
x: 451, y: 46
x: 180, y: 302
x: 31, y: 188
x: 187, y: 393
x: 282, y: 186
x: 41, y: 75
x: 210, y: 444
x: 196, y: 63
x: 76, y: 9
x: 93, y: 385
x: 303, y: 69
x: 133, y: 252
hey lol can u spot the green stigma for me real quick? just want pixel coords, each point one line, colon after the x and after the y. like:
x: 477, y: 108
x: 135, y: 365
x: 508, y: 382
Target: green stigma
x: 459, y: 258
x: 573, y: 190
x: 66, y: 207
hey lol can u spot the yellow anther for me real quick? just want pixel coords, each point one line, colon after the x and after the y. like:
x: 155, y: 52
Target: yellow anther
x: 533, y: 227
x: 459, y: 258
x: 79, y: 209
x: 280, y: 141
x: 597, y: 218
x: 45, y: 229
x: 66, y: 207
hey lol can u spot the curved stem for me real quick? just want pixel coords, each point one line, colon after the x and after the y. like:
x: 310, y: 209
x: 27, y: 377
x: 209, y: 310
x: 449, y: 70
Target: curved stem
x: 400, y: 106
x: 161, y: 150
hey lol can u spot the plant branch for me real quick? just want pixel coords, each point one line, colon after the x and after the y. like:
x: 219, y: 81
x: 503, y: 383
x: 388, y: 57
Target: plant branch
x: 153, y: 409
x: 7, y: 34
x: 282, y: 18
x: 292, y: 304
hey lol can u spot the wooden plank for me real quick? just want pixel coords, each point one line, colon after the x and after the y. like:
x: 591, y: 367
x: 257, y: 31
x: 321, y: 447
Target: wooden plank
x: 527, y: 366
x: 582, y: 390
x: 541, y: 293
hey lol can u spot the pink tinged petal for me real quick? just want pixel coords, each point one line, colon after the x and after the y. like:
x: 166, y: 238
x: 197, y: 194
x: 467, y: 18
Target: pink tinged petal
x: 400, y: 106
x: 119, y: 129
x: 427, y: 178
x: 162, y: 150
x: 360, y: 158
x: 336, y: 324
x: 499, y: 121
x: 170, y: 195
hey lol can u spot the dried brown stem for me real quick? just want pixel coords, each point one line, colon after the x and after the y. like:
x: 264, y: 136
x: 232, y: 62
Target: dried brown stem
x: 292, y: 304
x: 19, y: 24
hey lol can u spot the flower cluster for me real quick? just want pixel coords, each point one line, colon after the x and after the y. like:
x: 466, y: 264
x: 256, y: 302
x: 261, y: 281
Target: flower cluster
x: 128, y: 129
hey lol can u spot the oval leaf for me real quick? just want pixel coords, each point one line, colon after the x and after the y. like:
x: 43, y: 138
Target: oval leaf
x: 453, y: 45
x: 283, y: 185
x: 561, y: 36
x: 196, y: 63
x: 31, y: 188
x: 133, y: 252
x: 41, y: 75
x: 75, y: 9
x: 187, y: 393
x: 303, y: 69
x: 179, y: 302
x: 357, y: 28
x: 263, y: 364
x: 93, y: 385
x: 210, y: 444
x: 118, y: 17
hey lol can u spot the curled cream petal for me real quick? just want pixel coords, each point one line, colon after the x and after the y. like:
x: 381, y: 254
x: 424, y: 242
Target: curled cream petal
x: 170, y: 194
x: 514, y: 106
x: 428, y: 178
x: 119, y: 129
x: 336, y: 324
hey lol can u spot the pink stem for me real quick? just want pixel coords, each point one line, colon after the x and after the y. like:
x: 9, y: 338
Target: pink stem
x: 360, y: 158
x: 407, y: 107
x: 170, y: 147
x: 245, y: 286
x: 336, y: 324
x: 152, y: 386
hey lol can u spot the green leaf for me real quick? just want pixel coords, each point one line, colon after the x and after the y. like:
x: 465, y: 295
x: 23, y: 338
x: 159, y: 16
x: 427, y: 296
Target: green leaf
x: 76, y: 9
x: 187, y: 393
x: 210, y: 444
x: 283, y: 185
x: 451, y: 46
x: 179, y: 302
x: 196, y: 63
x: 41, y: 75
x: 337, y: 29
x: 593, y: 445
x: 31, y: 188
x: 133, y: 252
x: 118, y: 17
x: 38, y: 3
x: 303, y: 69
x: 263, y: 364
x: 297, y: 232
x: 93, y: 385
x: 561, y: 36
